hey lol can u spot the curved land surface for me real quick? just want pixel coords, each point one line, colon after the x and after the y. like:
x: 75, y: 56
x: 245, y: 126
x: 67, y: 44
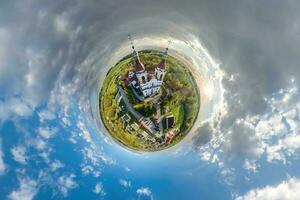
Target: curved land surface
x: 153, y: 121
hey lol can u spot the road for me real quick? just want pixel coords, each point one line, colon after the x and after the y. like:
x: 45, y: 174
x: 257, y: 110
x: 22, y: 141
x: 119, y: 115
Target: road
x: 136, y: 114
x: 158, y: 117
x: 149, y: 125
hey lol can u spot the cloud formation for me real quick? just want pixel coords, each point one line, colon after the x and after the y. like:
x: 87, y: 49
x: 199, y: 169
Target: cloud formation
x: 99, y: 189
x: 66, y: 184
x: 19, y: 154
x: 2, y: 164
x: 27, y: 190
x: 286, y: 190
x: 144, y: 191
x: 125, y: 183
x: 53, y: 58
x: 274, y: 133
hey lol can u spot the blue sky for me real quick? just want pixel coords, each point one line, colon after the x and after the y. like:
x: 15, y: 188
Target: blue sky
x: 54, y: 57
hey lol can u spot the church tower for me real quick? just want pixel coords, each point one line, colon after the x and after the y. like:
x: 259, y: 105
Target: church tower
x: 146, y: 82
x: 160, y: 70
x: 140, y: 71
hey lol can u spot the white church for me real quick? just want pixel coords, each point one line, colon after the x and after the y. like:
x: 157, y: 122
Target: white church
x: 146, y: 82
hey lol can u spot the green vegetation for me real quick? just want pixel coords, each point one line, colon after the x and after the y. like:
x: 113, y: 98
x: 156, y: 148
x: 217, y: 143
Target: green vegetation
x: 180, y: 97
x: 147, y: 108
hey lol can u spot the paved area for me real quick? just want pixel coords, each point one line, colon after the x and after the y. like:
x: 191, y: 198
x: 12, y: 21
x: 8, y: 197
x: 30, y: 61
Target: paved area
x: 136, y: 114
x: 158, y: 117
x: 147, y: 123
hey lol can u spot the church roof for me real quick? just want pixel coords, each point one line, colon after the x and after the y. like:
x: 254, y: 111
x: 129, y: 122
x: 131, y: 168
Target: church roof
x: 139, y: 65
x: 149, y: 77
x: 128, y: 79
x: 162, y: 64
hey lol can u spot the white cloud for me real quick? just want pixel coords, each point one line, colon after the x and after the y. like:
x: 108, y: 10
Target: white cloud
x: 89, y: 169
x: 26, y: 191
x: 61, y: 24
x: 66, y: 121
x: 274, y: 133
x: 144, y: 191
x: 270, y: 125
x: 66, y: 183
x: 2, y: 164
x: 251, y: 90
x: 282, y: 124
x: 26, y: 78
x: 37, y: 78
x: 286, y: 190
x: 292, y: 142
x: 56, y: 164
x: 285, y: 147
x: 96, y: 155
x: 14, y: 107
x: 38, y: 143
x: 19, y: 154
x: 84, y: 132
x: 125, y: 183
x: 251, y: 165
x: 99, y: 189
x: 94, y: 158
x: 47, y: 132
x: 243, y: 140
x: 46, y: 115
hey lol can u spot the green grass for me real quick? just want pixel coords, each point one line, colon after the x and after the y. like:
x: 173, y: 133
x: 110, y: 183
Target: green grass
x: 178, y: 113
x: 146, y: 108
x: 183, y: 102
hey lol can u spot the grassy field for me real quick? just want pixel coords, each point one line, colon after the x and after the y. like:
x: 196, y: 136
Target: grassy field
x: 181, y: 98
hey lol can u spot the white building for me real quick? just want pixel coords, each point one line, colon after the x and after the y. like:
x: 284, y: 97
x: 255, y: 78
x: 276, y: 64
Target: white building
x: 144, y: 81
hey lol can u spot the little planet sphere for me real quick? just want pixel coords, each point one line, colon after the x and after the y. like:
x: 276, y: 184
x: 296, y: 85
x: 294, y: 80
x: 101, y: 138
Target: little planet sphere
x: 149, y: 101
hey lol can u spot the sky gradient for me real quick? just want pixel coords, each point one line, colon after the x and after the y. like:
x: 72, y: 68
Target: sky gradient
x: 54, y: 56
